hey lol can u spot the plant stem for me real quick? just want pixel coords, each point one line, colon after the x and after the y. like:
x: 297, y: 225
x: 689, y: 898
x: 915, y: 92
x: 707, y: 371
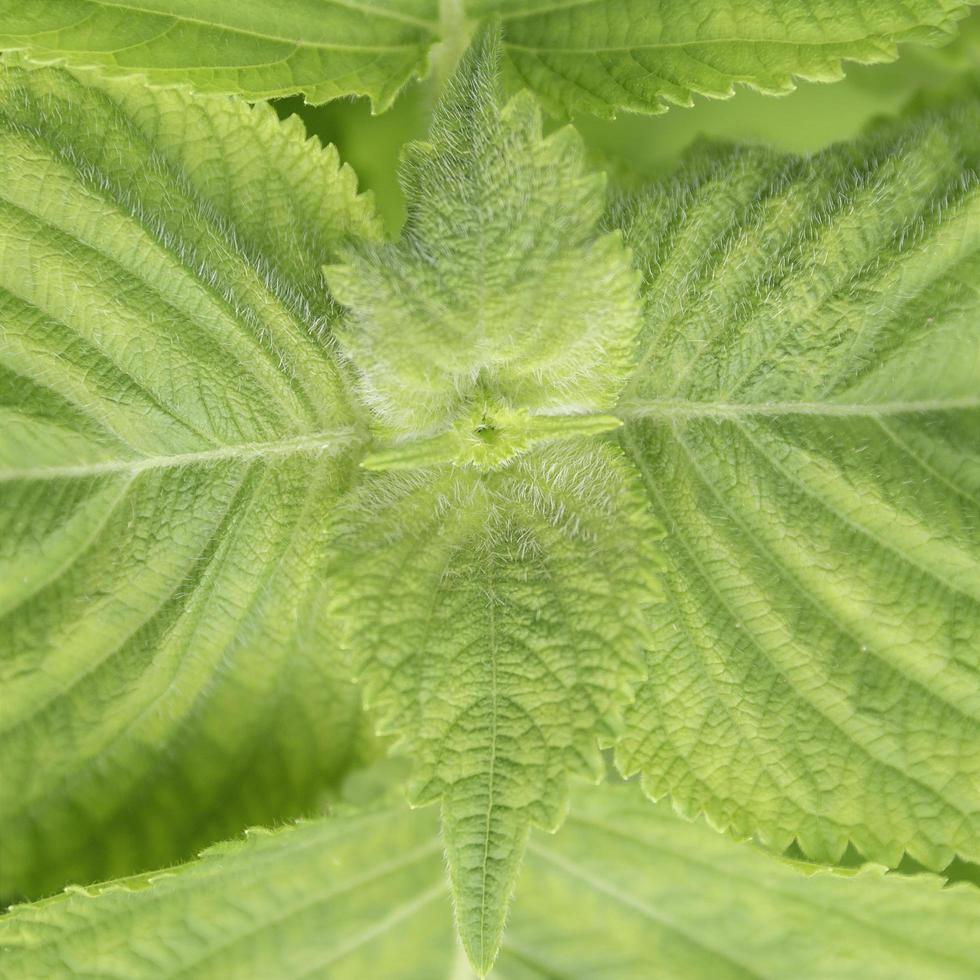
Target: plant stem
x: 455, y: 31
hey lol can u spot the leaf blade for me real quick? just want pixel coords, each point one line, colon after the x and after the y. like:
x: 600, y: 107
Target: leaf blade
x: 650, y: 891
x: 170, y: 418
x: 488, y: 290
x: 803, y: 415
x: 603, y: 56
x: 369, y: 873
x: 320, y: 50
x: 481, y: 612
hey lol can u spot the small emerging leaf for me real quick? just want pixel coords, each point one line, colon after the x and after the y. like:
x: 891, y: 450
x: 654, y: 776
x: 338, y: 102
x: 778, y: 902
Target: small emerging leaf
x: 487, y: 437
x: 320, y: 48
x: 500, y: 287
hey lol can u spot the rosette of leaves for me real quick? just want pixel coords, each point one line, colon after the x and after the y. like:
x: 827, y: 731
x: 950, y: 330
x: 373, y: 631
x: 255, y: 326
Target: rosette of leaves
x: 692, y: 473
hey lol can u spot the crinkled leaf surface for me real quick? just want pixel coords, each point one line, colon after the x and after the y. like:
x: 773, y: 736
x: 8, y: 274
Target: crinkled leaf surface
x: 498, y: 620
x: 493, y: 578
x: 625, y: 891
x: 500, y: 281
x: 321, y: 48
x: 641, y: 55
x: 806, y: 417
x: 174, y: 434
x: 178, y: 434
x: 597, y: 55
x: 355, y: 896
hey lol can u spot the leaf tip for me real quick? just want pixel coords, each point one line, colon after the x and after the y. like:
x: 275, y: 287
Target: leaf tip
x: 484, y: 850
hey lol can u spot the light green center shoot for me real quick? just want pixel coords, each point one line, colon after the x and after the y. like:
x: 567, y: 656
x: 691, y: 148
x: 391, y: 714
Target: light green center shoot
x: 487, y: 436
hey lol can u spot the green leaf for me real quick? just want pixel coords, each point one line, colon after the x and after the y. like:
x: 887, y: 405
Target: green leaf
x: 623, y: 891
x: 596, y: 56
x: 492, y: 597
x: 805, y: 415
x: 497, y: 620
x: 354, y: 896
x: 320, y: 48
x: 642, y: 147
x: 500, y: 283
x: 175, y: 431
x: 642, y: 55
x: 186, y: 520
x: 635, y: 146
x: 629, y: 891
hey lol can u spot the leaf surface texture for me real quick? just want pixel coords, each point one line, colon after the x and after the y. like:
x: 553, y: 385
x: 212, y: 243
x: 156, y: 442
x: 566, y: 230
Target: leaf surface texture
x: 500, y: 282
x: 175, y: 430
x: 497, y: 621
x: 806, y: 417
x: 585, y: 55
x: 320, y: 48
x: 602, y: 55
x: 494, y: 599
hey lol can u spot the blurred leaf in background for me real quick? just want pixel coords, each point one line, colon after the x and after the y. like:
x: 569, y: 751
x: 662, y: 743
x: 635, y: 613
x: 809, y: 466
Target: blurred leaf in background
x: 636, y: 147
x: 370, y: 143
x: 805, y: 121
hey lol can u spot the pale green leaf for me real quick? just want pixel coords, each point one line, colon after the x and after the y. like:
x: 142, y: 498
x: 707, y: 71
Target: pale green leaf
x: 491, y: 592
x: 497, y: 619
x: 816, y: 115
x: 641, y: 55
x: 593, y: 55
x: 806, y: 417
x: 500, y: 283
x: 320, y: 48
x: 173, y: 432
x: 630, y: 891
x: 623, y: 892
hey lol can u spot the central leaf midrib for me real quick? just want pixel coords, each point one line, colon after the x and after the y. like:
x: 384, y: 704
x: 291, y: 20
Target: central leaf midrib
x: 491, y: 768
x: 683, y: 408
x: 279, y: 39
x: 311, y: 443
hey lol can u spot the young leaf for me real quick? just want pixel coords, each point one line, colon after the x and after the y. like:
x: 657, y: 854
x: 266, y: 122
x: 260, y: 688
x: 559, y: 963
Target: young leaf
x: 641, y: 55
x: 320, y: 48
x: 623, y: 891
x: 174, y: 435
x: 497, y: 620
x: 805, y: 415
x: 494, y: 604
x: 500, y: 282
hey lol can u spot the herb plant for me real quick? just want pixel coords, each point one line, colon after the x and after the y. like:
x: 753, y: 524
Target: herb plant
x: 679, y: 480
